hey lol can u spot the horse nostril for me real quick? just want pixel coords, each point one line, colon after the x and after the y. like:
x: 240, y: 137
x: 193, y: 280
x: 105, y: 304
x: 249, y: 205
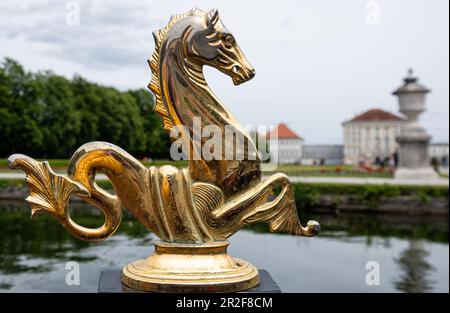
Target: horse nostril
x: 252, y: 73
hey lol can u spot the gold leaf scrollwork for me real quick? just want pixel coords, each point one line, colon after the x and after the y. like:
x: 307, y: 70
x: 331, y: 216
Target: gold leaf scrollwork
x: 49, y: 192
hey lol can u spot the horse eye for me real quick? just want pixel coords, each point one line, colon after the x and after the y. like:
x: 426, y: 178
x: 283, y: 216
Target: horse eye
x: 229, y: 40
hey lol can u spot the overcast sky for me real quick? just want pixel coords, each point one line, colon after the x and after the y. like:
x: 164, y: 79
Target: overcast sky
x: 318, y: 62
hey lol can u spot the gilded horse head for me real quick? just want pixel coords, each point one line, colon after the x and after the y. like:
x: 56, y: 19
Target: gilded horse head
x: 211, y: 43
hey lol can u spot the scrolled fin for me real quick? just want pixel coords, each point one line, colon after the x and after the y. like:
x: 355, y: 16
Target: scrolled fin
x: 49, y: 192
x: 254, y: 206
x: 208, y: 197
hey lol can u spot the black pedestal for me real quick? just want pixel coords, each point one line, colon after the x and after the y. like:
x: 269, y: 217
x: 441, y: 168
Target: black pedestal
x: 110, y: 282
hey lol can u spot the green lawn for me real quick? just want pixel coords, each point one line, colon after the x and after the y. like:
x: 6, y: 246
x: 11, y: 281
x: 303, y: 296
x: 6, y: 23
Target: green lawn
x: 331, y: 171
x: 292, y: 170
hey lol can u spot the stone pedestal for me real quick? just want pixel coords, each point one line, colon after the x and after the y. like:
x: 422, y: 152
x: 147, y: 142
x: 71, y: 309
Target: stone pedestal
x: 414, y: 162
x: 413, y: 140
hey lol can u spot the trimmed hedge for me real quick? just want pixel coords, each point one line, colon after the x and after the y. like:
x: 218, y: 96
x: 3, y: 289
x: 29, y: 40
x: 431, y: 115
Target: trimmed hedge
x: 309, y: 195
x: 4, y: 183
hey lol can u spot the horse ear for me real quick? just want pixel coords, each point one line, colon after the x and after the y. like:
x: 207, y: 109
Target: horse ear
x: 212, y: 18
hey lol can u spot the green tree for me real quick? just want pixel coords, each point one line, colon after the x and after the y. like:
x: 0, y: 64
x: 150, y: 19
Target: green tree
x: 19, y: 110
x: 157, y: 141
x: 60, y: 122
x: 47, y: 115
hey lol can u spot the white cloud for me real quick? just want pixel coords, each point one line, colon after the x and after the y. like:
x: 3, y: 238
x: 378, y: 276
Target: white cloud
x: 317, y: 62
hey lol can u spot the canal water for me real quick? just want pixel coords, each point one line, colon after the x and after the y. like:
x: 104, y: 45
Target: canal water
x: 410, y: 254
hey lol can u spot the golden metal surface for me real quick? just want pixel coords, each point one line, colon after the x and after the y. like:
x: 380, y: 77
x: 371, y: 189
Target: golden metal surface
x: 192, y: 210
x: 177, y: 267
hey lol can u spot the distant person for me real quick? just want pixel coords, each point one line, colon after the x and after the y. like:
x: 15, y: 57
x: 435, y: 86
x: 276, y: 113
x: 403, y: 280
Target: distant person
x: 392, y: 162
x: 445, y: 161
x: 377, y: 160
x: 386, y: 162
x: 395, y: 159
x: 435, y: 163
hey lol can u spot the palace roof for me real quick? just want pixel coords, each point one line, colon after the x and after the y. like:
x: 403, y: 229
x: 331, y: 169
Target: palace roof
x: 281, y: 131
x: 376, y: 115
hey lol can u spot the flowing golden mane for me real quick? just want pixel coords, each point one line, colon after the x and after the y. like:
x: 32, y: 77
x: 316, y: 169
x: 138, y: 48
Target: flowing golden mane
x: 155, y: 87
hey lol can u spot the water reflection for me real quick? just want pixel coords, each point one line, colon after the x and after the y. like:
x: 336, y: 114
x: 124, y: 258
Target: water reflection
x: 415, y: 267
x: 412, y: 252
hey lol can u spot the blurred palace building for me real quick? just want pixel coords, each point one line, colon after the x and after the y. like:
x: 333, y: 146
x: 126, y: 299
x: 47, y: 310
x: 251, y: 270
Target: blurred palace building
x: 374, y: 137
x: 371, y: 135
x: 368, y: 137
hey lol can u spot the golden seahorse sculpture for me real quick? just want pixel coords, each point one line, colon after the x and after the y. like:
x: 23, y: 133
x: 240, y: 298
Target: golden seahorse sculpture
x: 206, y: 203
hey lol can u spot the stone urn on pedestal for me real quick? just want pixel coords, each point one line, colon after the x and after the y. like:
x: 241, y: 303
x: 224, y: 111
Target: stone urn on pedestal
x: 414, y: 162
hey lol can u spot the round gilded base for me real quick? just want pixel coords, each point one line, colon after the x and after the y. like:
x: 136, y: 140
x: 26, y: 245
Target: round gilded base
x: 176, y: 267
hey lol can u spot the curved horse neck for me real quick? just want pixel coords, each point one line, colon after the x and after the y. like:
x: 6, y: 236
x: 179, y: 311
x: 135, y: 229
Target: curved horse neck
x: 186, y: 95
